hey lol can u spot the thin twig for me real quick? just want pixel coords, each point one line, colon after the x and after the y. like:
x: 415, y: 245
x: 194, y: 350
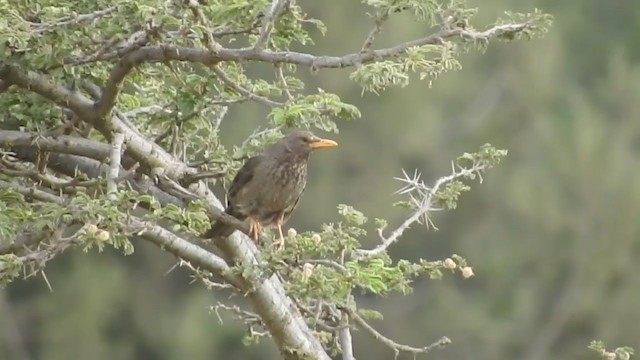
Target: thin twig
x: 325, y: 262
x: 283, y: 82
x: 209, y: 41
x: 396, y: 347
x: 243, y: 91
x: 274, y: 10
x: 204, y: 276
x: 74, y: 20
x: 379, y: 19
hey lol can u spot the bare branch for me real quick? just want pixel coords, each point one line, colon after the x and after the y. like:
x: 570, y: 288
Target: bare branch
x: 58, y: 94
x: 25, y: 240
x: 209, y: 41
x: 182, y: 249
x: 32, y: 193
x: 36, y: 260
x: 346, y: 343
x: 241, y: 90
x: 246, y: 316
x: 283, y: 82
x: 148, y: 110
x: 423, y: 203
x: 114, y: 165
x: 327, y: 263
x: 181, y: 53
x: 74, y: 20
x: 268, y: 22
x: 378, y: 20
x: 396, y: 347
x: 57, y: 143
x: 115, y: 48
x: 204, y: 276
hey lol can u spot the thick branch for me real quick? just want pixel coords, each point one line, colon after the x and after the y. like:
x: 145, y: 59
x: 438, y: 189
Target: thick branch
x: 278, y: 313
x: 114, y: 165
x: 183, y: 249
x: 78, y: 103
x: 32, y: 192
x: 57, y: 143
x: 181, y: 53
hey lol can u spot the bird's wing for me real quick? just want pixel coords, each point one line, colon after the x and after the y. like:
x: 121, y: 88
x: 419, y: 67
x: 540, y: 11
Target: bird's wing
x: 242, y: 178
x: 288, y: 211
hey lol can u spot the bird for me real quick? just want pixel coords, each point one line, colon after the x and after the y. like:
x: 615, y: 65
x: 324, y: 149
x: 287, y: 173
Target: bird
x: 267, y: 188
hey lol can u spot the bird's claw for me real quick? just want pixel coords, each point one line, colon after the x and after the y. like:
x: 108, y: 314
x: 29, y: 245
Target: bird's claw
x: 278, y: 244
x: 255, y: 230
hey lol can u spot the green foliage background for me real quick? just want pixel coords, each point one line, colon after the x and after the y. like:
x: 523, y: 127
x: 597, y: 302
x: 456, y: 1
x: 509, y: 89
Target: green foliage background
x: 552, y: 234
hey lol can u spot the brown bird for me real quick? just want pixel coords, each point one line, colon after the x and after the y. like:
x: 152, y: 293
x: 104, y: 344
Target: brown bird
x: 268, y: 187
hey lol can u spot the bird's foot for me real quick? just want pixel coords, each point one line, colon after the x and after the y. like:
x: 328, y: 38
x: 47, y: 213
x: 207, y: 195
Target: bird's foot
x: 278, y: 243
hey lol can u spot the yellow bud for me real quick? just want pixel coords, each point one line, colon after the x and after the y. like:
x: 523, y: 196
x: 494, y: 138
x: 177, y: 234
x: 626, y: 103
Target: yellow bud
x: 449, y: 263
x: 292, y: 232
x: 316, y: 238
x: 91, y: 229
x: 610, y: 356
x: 467, y: 272
x: 102, y: 235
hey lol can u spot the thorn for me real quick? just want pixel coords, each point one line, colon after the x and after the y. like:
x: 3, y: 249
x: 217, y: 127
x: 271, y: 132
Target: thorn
x: 46, y: 280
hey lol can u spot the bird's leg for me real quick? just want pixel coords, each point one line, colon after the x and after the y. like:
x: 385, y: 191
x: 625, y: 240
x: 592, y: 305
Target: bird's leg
x: 254, y: 229
x: 279, y: 243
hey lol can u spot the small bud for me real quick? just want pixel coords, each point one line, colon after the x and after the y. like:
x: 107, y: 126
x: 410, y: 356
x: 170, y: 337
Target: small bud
x: 102, y: 235
x: 467, y: 272
x: 449, y: 263
x: 610, y: 355
x: 292, y: 233
x: 307, y: 270
x: 316, y: 238
x: 623, y: 355
x: 91, y: 229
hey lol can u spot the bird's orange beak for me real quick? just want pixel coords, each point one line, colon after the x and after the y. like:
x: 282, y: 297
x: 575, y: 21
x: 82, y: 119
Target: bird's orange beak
x: 323, y: 143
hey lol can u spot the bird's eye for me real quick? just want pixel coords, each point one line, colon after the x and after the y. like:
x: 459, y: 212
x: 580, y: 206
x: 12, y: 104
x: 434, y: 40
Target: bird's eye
x: 306, y: 139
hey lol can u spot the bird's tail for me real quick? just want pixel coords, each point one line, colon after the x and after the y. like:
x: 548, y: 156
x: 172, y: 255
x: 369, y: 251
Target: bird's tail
x: 220, y: 229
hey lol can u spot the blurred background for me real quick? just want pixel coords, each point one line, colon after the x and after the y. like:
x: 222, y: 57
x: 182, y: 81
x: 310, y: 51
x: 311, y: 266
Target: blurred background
x: 552, y: 234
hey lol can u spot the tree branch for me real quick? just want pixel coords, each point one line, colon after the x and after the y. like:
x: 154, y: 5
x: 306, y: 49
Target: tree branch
x: 183, y: 249
x: 272, y: 13
x: 379, y: 19
x: 396, y: 347
x: 32, y: 193
x: 346, y: 343
x: 424, y: 204
x: 163, y: 53
x: 55, y: 143
x: 114, y: 165
x: 58, y: 94
x: 25, y: 241
x: 241, y: 90
x: 69, y: 20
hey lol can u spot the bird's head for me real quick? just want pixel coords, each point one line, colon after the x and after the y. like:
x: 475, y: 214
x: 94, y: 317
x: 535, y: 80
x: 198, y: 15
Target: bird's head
x: 302, y: 141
